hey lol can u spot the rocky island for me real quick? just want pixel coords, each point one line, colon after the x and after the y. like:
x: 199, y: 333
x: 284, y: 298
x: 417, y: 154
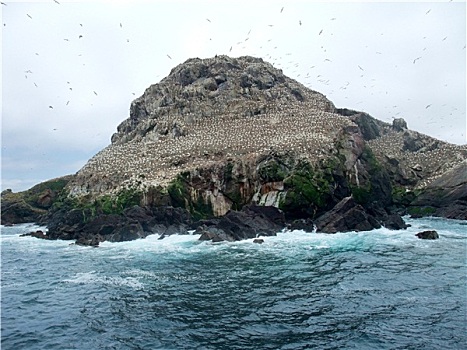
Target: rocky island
x: 233, y: 148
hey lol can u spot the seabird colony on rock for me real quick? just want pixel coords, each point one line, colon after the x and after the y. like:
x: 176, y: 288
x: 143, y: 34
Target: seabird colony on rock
x: 306, y: 132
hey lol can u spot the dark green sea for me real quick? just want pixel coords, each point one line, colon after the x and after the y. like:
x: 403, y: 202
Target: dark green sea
x: 300, y: 290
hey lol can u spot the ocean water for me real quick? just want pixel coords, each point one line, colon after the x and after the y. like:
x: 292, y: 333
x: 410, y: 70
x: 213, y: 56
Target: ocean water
x: 369, y: 290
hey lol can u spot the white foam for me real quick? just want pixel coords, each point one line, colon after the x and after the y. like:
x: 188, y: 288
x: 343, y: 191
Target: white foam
x: 93, y: 277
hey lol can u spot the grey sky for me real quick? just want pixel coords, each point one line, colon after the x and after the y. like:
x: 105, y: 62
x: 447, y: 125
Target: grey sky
x: 397, y: 59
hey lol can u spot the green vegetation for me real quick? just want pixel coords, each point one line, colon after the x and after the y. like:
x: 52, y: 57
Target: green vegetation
x: 421, y: 211
x: 272, y: 172
x: 369, y: 157
x: 118, y: 203
x: 178, y: 191
x: 180, y: 196
x: 307, y: 191
x: 402, y: 197
x: 362, y: 195
x: 228, y: 172
x: 40, y: 196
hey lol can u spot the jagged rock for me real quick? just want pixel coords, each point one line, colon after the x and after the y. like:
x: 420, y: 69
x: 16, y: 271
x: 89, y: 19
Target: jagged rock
x: 394, y: 222
x: 399, y: 124
x: 369, y: 127
x: 446, y: 196
x: 346, y: 216
x: 428, y: 235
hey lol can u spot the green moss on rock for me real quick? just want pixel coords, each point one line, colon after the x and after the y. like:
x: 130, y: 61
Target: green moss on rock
x: 307, y: 192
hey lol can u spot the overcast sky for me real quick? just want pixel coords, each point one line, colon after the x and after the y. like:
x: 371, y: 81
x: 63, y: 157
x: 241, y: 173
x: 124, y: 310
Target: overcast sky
x: 71, y: 69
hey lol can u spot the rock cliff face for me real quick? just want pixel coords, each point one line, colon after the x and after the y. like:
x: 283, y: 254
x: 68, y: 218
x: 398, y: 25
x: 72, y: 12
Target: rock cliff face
x: 221, y: 133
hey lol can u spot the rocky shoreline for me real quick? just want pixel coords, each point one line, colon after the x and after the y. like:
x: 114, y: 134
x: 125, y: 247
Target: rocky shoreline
x: 251, y: 221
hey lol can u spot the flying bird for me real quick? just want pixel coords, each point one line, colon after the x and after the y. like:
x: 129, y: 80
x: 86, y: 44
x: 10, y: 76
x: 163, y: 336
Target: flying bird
x: 444, y: 38
x: 66, y: 39
x: 360, y: 68
x: 282, y: 9
x: 51, y: 107
x: 300, y: 22
x: 95, y: 93
x: 169, y: 57
x: 80, y: 37
x: 121, y: 25
x: 428, y: 106
x: 415, y: 60
x: 56, y: 2
x: 3, y: 4
x: 67, y: 103
x: 207, y: 19
x: 29, y: 15
x: 320, y: 32
x: 230, y: 49
x: 333, y: 19
x: 427, y: 12
x: 35, y: 84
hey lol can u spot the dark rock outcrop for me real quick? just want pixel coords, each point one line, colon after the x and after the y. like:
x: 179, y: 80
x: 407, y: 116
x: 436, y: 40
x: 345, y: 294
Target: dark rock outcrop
x: 446, y: 196
x: 250, y: 222
x: 30, y: 205
x: 134, y: 223
x: 399, y: 124
x: 347, y: 215
x: 431, y: 234
x: 37, y: 234
x: 302, y: 224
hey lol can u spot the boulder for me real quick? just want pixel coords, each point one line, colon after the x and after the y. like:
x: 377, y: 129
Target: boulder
x: 346, y: 216
x: 258, y: 240
x: 428, y: 235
